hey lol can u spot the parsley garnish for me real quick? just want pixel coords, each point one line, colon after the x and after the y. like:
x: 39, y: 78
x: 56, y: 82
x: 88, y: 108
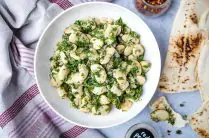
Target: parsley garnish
x: 184, y: 117
x: 97, y: 74
x: 134, y: 70
x: 169, y: 132
x: 116, y: 62
x: 120, y: 22
x: 73, y: 65
x: 64, y: 45
x: 135, y: 93
x: 182, y: 104
x: 171, y: 118
x: 120, y: 78
x: 179, y: 132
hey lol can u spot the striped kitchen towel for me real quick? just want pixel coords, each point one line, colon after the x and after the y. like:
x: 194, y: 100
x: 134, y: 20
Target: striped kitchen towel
x: 23, y: 113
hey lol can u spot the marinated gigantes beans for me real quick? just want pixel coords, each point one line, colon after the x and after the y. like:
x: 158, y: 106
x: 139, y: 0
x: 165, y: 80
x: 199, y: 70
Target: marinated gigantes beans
x: 99, y: 63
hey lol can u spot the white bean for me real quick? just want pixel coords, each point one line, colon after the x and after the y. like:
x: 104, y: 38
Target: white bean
x: 121, y: 79
x: 73, y: 38
x: 73, y: 53
x: 93, y: 55
x: 120, y: 48
x: 104, y: 109
x: 109, y: 53
x: 63, y: 72
x: 71, y: 29
x: 52, y: 63
x: 104, y: 99
x: 132, y: 57
x: 145, y: 65
x: 140, y: 79
x: 99, y: 90
x: 128, y: 50
x: 62, y: 93
x: 101, y: 78
x: 112, y: 30
x: 138, y: 50
x: 78, y: 89
x: 79, y: 77
x: 116, y: 90
x: 97, y: 43
x: 63, y: 57
x: 130, y: 39
x: 53, y: 82
x: 125, y: 106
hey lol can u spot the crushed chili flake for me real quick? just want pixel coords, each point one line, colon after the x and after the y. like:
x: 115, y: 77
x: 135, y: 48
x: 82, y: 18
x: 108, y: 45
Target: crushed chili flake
x: 152, y: 7
x: 155, y: 2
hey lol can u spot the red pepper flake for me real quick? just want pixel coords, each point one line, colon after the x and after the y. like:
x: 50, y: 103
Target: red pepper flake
x: 155, y: 2
x: 152, y: 7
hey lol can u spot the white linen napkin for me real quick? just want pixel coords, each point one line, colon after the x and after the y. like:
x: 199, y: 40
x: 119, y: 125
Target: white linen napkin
x: 23, y: 113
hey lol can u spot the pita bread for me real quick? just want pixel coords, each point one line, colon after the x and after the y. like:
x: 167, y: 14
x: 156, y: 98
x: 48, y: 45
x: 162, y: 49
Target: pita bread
x: 185, y: 43
x: 159, y: 109
x: 200, y: 120
x: 204, y: 20
x: 203, y: 72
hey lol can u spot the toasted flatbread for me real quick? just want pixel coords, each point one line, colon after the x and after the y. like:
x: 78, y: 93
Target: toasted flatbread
x: 186, y: 41
x: 200, y: 120
x: 204, y: 20
x: 203, y: 72
x: 162, y: 111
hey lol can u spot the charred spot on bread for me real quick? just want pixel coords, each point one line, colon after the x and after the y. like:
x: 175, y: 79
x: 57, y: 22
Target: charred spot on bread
x: 186, y: 48
x: 194, y: 18
x: 203, y: 133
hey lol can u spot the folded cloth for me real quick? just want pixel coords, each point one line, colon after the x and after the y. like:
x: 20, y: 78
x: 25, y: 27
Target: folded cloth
x: 23, y: 113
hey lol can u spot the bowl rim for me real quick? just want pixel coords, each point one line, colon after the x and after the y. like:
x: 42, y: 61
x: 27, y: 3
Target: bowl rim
x: 35, y: 65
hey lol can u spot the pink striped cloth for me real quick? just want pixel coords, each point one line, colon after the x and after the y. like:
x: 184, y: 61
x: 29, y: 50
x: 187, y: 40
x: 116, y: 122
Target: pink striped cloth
x: 23, y: 113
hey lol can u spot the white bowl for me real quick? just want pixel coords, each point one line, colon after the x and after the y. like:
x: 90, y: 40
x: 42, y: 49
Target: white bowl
x: 46, y: 47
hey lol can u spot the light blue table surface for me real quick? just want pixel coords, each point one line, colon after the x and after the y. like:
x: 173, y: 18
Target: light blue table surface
x: 161, y: 27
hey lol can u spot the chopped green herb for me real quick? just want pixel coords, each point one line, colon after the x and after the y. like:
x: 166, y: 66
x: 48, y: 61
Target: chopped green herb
x: 97, y: 74
x: 134, y: 70
x: 111, y: 80
x: 86, y: 26
x: 140, y: 58
x: 81, y: 44
x: 73, y: 65
x: 95, y: 101
x: 100, y: 26
x: 98, y: 33
x: 91, y: 82
x: 116, y: 62
x: 182, y: 104
x: 169, y: 132
x: 135, y: 93
x: 129, y: 62
x: 120, y: 22
x: 134, y: 34
x: 120, y: 78
x: 171, y: 118
x: 64, y: 45
x: 184, y: 117
x: 114, y: 98
x: 179, y: 132
x: 78, y: 22
x: 65, y: 37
